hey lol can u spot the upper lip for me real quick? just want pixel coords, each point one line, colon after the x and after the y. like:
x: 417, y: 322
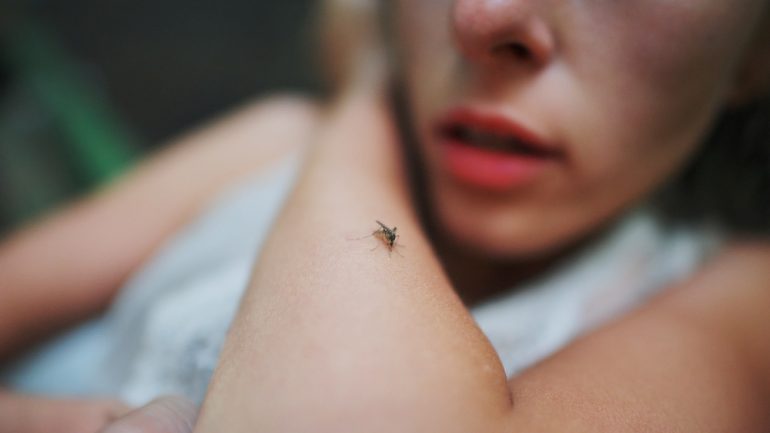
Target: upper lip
x: 497, y: 124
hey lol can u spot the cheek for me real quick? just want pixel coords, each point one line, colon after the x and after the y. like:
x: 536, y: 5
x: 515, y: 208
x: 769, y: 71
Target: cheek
x: 645, y: 82
x: 665, y: 63
x: 660, y: 41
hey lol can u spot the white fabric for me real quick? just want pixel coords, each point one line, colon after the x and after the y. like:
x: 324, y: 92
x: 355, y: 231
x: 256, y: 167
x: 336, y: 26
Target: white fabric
x: 634, y: 260
x: 166, y: 330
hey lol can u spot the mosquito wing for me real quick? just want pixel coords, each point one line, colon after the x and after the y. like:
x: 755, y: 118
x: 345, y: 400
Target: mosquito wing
x: 384, y: 227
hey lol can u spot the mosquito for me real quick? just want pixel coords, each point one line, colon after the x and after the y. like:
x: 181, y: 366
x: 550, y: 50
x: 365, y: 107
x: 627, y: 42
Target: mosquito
x: 387, y: 235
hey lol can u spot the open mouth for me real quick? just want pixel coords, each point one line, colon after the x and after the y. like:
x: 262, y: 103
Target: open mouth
x: 492, y: 132
x: 491, y: 151
x: 492, y: 141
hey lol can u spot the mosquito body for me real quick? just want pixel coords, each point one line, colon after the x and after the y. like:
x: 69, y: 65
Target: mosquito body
x: 387, y: 234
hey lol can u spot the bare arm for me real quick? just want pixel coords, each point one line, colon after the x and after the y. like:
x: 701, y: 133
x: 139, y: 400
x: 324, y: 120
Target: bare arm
x: 332, y: 337
x: 695, y: 360
x: 68, y: 267
x: 20, y: 413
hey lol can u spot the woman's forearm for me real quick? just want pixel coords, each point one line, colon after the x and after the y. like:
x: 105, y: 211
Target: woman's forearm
x: 333, y: 336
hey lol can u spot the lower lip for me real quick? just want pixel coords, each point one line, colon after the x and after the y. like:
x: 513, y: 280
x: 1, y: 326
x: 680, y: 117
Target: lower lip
x: 494, y: 171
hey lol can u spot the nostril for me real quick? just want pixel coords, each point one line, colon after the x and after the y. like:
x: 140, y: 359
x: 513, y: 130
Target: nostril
x: 515, y: 50
x: 504, y: 33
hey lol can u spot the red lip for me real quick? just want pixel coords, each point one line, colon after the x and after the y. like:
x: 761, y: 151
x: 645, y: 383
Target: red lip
x: 491, y: 151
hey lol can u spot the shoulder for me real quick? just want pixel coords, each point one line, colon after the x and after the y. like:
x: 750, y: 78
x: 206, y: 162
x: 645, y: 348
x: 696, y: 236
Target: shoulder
x: 280, y: 121
x: 742, y: 269
x: 728, y: 301
x: 697, y: 356
x: 754, y: 253
x: 237, y: 144
x: 280, y: 110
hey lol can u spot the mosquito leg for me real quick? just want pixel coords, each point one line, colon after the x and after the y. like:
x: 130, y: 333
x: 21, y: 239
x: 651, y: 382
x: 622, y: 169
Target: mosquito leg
x: 358, y: 239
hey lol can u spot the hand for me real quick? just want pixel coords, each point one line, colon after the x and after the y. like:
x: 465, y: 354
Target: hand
x: 21, y: 413
x: 163, y: 415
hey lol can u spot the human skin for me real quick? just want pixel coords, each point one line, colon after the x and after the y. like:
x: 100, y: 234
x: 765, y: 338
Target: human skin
x: 331, y: 337
x: 334, y: 337
x: 84, y: 269
x: 163, y: 415
x: 39, y: 414
x: 68, y: 267
x: 597, y: 353
x: 627, y: 89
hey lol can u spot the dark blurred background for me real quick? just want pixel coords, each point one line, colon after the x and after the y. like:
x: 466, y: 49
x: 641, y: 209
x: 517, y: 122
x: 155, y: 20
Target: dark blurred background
x: 87, y: 87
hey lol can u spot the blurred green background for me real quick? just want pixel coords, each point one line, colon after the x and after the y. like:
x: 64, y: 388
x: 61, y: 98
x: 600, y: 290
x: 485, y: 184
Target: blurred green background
x: 87, y: 87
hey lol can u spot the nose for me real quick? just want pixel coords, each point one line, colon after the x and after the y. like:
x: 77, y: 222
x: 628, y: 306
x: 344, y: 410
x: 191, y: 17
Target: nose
x: 502, y: 32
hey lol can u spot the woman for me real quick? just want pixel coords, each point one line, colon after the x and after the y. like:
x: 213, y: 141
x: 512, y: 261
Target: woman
x: 539, y: 128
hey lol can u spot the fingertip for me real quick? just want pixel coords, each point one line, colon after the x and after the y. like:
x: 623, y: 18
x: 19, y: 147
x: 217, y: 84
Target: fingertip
x: 169, y: 414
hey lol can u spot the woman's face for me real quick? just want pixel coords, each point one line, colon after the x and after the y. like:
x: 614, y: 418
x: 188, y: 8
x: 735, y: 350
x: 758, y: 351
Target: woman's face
x: 540, y: 120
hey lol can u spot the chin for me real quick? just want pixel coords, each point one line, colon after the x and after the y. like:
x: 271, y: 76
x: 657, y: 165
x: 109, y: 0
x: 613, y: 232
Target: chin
x: 501, y: 233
